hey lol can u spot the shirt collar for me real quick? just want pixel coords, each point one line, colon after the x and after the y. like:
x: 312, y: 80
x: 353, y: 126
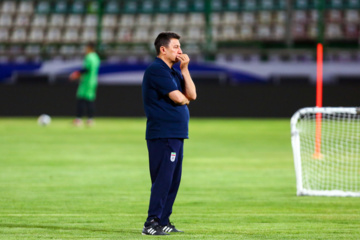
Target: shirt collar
x: 159, y: 60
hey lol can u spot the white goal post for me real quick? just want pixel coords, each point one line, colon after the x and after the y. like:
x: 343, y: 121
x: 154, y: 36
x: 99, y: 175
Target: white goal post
x: 326, y: 148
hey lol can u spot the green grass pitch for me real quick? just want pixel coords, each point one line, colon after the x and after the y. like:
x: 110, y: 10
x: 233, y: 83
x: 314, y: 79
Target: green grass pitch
x: 60, y: 182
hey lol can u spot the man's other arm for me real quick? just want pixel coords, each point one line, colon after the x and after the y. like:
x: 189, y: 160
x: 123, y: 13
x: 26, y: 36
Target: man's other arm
x: 178, y: 98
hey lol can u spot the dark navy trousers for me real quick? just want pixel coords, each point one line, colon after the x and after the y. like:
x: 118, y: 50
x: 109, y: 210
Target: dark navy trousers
x: 82, y: 105
x: 165, y: 160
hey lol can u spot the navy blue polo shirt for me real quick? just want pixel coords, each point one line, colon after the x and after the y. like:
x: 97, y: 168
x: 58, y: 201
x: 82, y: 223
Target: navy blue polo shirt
x: 165, y: 119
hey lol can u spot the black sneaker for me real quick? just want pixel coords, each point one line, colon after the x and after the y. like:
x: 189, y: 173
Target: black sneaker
x: 153, y: 228
x: 170, y: 228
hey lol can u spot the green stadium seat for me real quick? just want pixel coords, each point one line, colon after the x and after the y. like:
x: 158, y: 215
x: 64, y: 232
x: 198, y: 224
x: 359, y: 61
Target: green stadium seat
x: 335, y: 3
x: 302, y: 4
x: 164, y: 6
x: 281, y: 4
x: 197, y: 6
x: 61, y: 7
x: 216, y: 5
x: 232, y: 5
x: 43, y: 7
x: 249, y: 5
x: 130, y: 6
x: 267, y: 4
x: 112, y: 7
x: 181, y: 6
x: 317, y: 3
x: 147, y: 6
x: 93, y: 7
x: 78, y: 7
x: 353, y: 4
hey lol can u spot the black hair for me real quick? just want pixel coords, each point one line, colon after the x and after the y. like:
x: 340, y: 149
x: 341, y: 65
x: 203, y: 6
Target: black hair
x: 91, y: 45
x: 163, y: 39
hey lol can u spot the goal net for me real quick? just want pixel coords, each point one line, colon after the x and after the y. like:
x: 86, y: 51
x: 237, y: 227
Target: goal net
x: 326, y: 147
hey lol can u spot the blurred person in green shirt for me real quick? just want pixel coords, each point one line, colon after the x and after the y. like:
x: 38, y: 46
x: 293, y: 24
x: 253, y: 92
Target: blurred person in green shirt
x: 88, y: 81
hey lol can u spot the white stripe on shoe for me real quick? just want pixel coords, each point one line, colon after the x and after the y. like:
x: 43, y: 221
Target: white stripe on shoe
x: 151, y: 231
x: 167, y: 229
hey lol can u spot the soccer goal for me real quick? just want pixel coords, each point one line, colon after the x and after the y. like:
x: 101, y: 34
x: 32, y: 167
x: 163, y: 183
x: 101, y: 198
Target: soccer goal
x: 326, y: 147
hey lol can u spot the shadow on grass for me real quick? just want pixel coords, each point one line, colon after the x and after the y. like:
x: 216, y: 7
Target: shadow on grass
x: 12, y: 225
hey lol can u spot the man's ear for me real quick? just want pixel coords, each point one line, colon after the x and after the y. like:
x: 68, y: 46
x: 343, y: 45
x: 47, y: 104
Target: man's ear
x: 162, y: 49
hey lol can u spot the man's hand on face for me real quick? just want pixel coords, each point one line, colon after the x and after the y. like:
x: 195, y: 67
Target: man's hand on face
x: 184, y: 61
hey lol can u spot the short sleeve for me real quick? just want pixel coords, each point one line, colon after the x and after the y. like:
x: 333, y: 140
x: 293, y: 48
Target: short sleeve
x: 162, y: 81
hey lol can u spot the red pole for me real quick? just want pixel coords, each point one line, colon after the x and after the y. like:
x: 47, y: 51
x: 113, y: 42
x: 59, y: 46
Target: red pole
x: 319, y: 75
x: 319, y: 98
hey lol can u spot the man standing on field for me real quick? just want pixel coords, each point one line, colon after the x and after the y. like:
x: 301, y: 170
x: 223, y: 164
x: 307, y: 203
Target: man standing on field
x: 166, y: 94
x: 86, y: 92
